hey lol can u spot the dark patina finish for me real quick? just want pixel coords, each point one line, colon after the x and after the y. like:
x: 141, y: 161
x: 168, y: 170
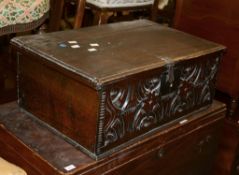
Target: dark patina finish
x: 106, y: 87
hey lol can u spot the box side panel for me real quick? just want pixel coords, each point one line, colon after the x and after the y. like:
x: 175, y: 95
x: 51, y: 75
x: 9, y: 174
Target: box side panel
x: 61, y: 101
x: 144, y: 102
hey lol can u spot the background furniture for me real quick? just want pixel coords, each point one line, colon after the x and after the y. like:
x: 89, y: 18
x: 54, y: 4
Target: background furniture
x: 15, y: 17
x: 104, y: 9
x: 56, y: 14
x: 216, y: 21
x: 20, y: 16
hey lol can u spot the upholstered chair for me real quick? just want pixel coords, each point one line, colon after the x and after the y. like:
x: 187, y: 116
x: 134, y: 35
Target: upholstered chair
x: 22, y: 15
x: 103, y: 9
x: 16, y: 16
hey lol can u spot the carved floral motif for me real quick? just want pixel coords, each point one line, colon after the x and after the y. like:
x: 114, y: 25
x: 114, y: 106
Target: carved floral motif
x: 152, y: 101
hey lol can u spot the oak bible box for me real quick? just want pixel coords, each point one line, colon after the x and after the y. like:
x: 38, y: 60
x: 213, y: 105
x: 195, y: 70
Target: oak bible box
x: 107, y: 87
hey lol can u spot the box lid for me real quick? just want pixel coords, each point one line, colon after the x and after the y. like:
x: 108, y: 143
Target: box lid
x: 101, y: 54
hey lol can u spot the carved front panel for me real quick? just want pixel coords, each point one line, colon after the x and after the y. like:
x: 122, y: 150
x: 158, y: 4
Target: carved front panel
x: 137, y: 105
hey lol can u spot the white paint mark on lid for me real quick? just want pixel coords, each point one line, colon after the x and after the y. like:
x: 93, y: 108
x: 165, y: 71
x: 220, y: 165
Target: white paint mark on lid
x: 183, y: 121
x: 72, y: 42
x: 70, y: 167
x: 75, y: 46
x: 94, y: 45
x: 92, y: 49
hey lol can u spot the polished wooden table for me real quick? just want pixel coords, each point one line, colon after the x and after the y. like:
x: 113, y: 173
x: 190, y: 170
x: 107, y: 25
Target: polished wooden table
x: 178, y: 149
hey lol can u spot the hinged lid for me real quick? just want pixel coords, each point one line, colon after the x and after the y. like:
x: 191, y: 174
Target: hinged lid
x: 102, y: 54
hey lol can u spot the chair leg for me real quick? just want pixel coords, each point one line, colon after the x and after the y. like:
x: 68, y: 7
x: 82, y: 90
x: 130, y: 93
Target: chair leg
x: 55, y: 15
x: 79, y: 14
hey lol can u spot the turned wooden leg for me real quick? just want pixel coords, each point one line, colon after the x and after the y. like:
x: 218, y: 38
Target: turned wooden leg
x: 233, y: 106
x: 79, y: 14
x: 55, y: 15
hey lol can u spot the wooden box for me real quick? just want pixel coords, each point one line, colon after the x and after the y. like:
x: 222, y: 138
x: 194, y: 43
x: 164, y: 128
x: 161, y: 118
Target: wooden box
x: 187, y: 148
x: 106, y: 87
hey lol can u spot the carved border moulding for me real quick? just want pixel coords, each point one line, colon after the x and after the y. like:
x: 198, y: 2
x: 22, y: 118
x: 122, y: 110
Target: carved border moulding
x: 133, y: 107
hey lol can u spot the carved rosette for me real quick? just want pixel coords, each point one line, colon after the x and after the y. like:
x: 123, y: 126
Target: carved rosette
x: 134, y: 107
